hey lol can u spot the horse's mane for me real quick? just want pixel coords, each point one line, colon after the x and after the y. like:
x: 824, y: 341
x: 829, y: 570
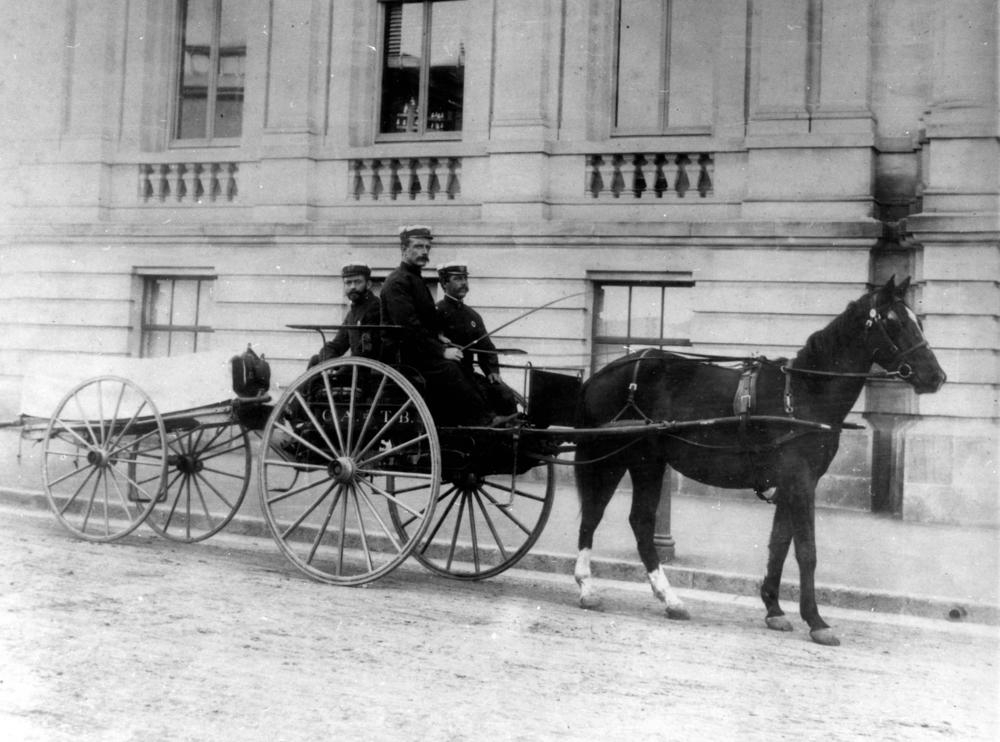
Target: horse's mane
x: 824, y: 347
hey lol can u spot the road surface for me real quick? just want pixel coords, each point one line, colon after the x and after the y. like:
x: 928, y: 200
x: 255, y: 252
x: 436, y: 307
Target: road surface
x: 145, y: 639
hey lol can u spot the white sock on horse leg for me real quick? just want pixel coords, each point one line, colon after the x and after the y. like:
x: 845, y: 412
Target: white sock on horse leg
x: 662, y: 589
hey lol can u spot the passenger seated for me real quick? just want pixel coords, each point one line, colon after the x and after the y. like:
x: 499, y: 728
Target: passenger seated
x: 464, y: 327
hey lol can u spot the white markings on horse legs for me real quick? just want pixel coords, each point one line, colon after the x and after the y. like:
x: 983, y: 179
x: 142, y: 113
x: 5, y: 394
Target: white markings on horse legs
x: 588, y: 597
x: 664, y: 592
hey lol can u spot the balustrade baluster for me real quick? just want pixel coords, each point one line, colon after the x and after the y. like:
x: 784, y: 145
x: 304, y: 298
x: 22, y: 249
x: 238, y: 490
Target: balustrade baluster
x: 163, y: 182
x: 198, y: 187
x: 395, y: 182
x: 232, y: 187
x: 706, y: 175
x: 433, y: 184
x: 376, y: 189
x: 454, y: 185
x: 215, y: 181
x: 638, y: 176
x: 683, y: 182
x: 145, y: 184
x: 594, y: 184
x: 414, y: 186
x: 357, y: 186
x: 660, y: 182
x: 184, y: 185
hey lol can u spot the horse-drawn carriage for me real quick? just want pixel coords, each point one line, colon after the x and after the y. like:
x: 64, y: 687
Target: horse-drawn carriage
x: 355, y: 476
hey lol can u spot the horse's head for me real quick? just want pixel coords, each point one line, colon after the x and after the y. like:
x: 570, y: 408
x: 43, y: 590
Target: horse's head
x: 896, y: 339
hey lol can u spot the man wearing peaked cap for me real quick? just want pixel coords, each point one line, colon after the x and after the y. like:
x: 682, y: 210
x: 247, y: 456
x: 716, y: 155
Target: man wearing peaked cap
x: 364, y: 310
x: 464, y: 327
x: 406, y: 301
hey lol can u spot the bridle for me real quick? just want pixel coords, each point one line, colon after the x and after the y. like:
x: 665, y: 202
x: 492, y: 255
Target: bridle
x: 876, y: 322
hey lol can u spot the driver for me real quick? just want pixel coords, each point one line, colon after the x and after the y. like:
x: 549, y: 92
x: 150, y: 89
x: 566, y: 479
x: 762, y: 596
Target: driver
x: 364, y: 310
x: 453, y: 398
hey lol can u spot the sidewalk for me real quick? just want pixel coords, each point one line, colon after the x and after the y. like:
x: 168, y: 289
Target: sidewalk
x: 866, y: 562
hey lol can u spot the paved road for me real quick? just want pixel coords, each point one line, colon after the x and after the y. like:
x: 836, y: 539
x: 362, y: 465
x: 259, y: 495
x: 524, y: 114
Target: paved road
x: 150, y: 640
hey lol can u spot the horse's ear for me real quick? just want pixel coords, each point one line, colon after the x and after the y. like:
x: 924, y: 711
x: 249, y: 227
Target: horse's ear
x: 901, y: 289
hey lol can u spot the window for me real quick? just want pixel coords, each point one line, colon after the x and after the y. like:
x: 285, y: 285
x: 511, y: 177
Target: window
x: 212, y: 71
x: 664, y: 66
x: 176, y: 314
x: 423, y: 69
x: 630, y: 314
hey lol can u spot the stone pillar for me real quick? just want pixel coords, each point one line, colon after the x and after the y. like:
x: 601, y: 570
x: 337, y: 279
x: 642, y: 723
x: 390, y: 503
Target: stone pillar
x: 294, y: 113
x: 663, y: 538
x: 952, y: 454
x: 810, y: 131
x: 524, y: 108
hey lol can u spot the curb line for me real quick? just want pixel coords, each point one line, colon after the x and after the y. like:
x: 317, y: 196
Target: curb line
x: 838, y: 596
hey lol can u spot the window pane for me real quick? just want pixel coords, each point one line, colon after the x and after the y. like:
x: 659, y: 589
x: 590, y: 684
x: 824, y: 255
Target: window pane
x: 447, y: 66
x: 185, y: 303
x: 677, y: 312
x: 181, y: 342
x: 646, y: 308
x: 404, y: 39
x: 612, y: 311
x: 196, y: 49
x: 206, y: 303
x: 605, y: 354
x: 640, y: 65
x: 691, y: 68
x: 156, y: 344
x: 158, y: 302
x: 231, y: 72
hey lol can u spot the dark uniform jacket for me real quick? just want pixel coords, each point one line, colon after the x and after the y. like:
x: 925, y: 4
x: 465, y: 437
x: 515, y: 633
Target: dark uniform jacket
x: 462, y: 325
x: 406, y: 301
x: 365, y: 343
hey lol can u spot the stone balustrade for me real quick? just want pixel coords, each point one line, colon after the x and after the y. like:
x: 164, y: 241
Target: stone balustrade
x: 188, y: 182
x: 649, y: 175
x: 406, y: 178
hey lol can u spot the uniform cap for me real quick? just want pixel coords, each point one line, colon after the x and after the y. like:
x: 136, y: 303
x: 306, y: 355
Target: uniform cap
x: 414, y: 230
x: 453, y: 268
x: 356, y: 269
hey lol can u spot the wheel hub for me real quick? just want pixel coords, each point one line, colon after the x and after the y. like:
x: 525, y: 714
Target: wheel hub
x: 98, y: 458
x: 189, y: 464
x: 342, y: 469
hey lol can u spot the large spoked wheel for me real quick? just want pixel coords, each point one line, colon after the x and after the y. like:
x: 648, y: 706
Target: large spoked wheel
x: 337, y: 437
x: 104, y: 458
x: 208, y: 475
x: 483, y: 525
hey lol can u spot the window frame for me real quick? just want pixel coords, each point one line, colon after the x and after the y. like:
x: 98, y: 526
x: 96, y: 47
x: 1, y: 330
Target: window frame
x: 599, y: 282
x: 422, y: 134
x: 215, y: 52
x: 146, y: 327
x: 663, y: 126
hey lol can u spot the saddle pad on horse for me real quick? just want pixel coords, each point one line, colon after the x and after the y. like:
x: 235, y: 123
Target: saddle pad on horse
x: 173, y: 383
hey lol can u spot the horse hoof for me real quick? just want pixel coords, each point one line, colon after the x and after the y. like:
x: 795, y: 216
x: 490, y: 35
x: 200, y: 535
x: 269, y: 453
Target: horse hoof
x: 778, y: 623
x: 825, y: 637
x: 590, y: 602
x: 679, y: 613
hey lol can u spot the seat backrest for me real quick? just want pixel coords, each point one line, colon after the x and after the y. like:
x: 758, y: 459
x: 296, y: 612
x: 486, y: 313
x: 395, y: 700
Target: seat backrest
x: 552, y: 398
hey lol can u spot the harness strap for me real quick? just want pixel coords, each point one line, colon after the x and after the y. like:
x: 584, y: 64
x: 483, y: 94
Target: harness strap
x: 786, y: 370
x: 632, y: 388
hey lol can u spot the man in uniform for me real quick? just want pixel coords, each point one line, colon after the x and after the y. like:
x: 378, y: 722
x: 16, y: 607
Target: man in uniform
x: 364, y: 310
x: 463, y: 326
x: 453, y: 398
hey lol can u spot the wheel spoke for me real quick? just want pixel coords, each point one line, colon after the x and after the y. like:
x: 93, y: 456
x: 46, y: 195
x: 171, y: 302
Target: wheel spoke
x: 318, y: 428
x: 376, y: 399
x: 309, y: 510
x: 382, y: 431
x: 490, y: 524
x: 371, y: 506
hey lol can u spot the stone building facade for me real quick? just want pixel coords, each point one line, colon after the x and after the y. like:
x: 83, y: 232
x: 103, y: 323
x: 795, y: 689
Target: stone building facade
x: 720, y: 175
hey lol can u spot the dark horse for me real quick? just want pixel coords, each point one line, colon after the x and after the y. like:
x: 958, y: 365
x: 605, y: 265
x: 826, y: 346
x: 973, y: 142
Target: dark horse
x: 821, y: 385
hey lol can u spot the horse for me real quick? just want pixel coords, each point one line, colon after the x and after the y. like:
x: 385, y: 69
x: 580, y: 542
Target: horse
x: 798, y: 407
